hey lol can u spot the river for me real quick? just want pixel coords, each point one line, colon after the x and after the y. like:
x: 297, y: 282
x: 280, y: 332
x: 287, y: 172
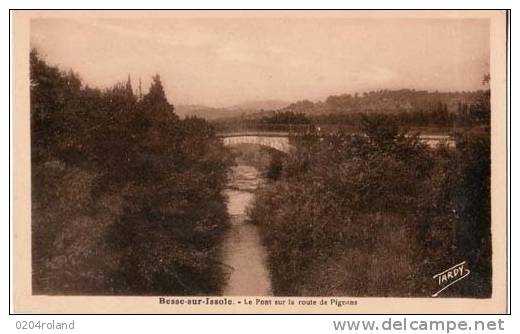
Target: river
x: 242, y: 249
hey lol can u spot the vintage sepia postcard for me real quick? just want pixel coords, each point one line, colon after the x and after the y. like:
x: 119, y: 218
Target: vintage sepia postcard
x: 259, y: 162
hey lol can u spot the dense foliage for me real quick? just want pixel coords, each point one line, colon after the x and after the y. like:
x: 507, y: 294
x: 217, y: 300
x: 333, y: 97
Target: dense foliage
x: 379, y: 213
x: 126, y: 197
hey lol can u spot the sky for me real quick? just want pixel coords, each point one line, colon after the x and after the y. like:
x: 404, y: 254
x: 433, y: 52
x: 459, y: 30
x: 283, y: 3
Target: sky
x: 221, y: 62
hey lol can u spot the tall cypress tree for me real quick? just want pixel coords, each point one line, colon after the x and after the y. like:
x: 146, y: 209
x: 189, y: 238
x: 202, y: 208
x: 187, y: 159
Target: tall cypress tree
x: 155, y: 102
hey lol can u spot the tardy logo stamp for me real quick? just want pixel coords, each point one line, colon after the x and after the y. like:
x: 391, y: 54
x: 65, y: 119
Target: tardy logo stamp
x: 450, y: 276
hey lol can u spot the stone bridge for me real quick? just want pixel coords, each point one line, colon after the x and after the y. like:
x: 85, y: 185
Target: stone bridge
x: 276, y: 140
x: 280, y: 140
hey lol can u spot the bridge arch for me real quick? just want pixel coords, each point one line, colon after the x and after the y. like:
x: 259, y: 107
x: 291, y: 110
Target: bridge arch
x: 277, y: 142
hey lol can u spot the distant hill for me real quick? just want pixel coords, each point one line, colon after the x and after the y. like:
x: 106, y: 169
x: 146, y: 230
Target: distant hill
x: 232, y: 111
x: 204, y: 111
x: 260, y: 105
x: 386, y: 101
x: 382, y: 101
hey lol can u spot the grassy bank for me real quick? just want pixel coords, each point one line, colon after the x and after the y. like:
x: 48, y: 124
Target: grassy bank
x: 378, y: 215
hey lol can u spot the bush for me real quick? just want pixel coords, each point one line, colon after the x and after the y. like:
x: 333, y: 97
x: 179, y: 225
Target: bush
x: 126, y: 196
x: 376, y: 214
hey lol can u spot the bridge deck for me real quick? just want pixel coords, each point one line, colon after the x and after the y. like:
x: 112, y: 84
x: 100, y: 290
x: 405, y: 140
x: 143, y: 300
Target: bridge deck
x: 253, y: 134
x: 287, y: 134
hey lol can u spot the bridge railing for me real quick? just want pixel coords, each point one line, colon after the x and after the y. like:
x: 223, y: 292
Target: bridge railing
x: 296, y: 130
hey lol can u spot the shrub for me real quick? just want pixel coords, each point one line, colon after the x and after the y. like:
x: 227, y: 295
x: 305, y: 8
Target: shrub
x: 376, y: 214
x: 126, y: 197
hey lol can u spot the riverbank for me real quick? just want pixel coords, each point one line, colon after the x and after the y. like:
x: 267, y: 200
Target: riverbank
x: 374, y: 215
x: 126, y: 198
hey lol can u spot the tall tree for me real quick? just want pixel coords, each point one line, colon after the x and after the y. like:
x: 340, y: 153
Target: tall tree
x: 155, y: 102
